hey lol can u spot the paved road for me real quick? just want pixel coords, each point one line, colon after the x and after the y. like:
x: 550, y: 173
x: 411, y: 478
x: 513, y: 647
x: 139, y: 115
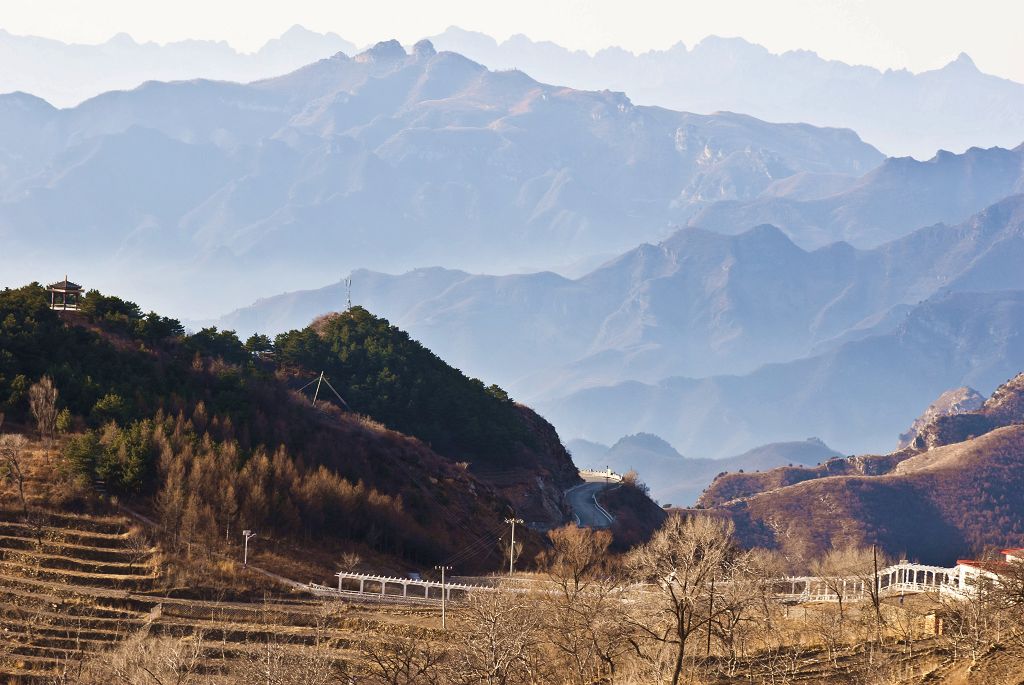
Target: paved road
x: 584, y: 505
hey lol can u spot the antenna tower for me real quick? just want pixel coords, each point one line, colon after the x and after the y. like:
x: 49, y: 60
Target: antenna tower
x: 348, y: 291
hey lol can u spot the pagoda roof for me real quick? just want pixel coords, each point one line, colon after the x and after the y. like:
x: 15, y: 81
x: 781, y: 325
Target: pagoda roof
x: 64, y: 285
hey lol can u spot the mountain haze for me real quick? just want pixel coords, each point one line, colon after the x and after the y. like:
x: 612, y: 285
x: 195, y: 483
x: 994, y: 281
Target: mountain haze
x: 901, y: 112
x: 697, y: 304
x: 350, y: 156
x: 67, y: 74
x: 883, y: 204
x: 859, y: 395
x: 678, y: 480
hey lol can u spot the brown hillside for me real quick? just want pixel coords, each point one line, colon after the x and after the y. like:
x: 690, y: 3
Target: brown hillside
x: 934, y: 507
x: 944, y: 423
x: 732, y: 486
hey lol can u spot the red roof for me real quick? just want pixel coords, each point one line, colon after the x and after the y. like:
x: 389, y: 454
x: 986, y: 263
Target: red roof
x: 994, y: 565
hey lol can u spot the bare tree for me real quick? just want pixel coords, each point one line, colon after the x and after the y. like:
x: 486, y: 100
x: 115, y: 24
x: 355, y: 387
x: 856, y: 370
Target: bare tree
x: 745, y: 605
x: 42, y: 399
x: 583, y: 620
x: 350, y: 562
x: 497, y: 640
x: 398, y: 660
x: 848, y: 573
x: 143, y: 660
x: 970, y: 622
x: 281, y: 659
x: 681, y: 560
x: 11, y: 449
x: 138, y: 546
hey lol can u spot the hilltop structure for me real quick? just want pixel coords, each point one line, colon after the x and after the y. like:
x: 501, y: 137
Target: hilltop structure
x: 65, y: 295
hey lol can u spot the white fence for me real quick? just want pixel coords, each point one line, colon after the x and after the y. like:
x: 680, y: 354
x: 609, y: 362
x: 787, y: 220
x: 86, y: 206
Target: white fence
x: 899, y: 579
x: 393, y: 589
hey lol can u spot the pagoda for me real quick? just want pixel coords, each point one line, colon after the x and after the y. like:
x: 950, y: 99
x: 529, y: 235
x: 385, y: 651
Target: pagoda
x: 65, y: 295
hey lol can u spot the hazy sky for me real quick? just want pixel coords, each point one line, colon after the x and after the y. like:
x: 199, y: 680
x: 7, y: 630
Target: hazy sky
x: 917, y: 34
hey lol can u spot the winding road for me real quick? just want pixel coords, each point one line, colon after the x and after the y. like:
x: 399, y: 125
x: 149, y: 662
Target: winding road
x: 583, y: 501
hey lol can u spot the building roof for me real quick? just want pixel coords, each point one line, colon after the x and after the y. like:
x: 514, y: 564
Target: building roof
x: 991, y: 565
x: 64, y: 285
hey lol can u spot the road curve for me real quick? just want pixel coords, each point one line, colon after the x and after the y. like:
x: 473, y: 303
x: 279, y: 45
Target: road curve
x: 582, y: 500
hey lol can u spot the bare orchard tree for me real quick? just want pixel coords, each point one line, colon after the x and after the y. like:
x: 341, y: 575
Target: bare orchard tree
x: 1009, y: 594
x: 745, y: 606
x: 138, y: 546
x: 143, y: 660
x: 681, y: 561
x: 401, y: 660
x: 497, y: 640
x: 42, y: 399
x: 848, y: 575
x: 969, y: 623
x: 582, y: 616
x: 282, y: 659
x: 12, y: 448
x: 350, y: 562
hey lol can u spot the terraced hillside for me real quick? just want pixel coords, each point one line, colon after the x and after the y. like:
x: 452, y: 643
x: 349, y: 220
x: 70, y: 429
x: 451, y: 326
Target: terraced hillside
x: 80, y: 585
x: 72, y: 587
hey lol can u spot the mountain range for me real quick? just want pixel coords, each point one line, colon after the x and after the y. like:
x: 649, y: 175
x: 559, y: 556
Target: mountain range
x: 679, y: 481
x: 67, y: 74
x: 903, y: 113
x: 653, y: 340
x: 216, y: 189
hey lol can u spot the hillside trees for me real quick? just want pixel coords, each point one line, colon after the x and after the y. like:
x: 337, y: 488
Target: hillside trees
x: 382, y: 372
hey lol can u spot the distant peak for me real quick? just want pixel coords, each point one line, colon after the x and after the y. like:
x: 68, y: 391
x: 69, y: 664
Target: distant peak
x: 384, y: 51
x: 424, y: 49
x: 297, y: 31
x: 732, y: 44
x: 766, y: 232
x: 121, y: 39
x: 964, y: 62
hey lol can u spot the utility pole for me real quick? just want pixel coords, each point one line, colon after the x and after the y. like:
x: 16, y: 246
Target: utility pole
x: 247, y: 534
x: 876, y: 595
x: 317, y: 393
x: 512, y: 546
x: 444, y: 592
x: 711, y: 613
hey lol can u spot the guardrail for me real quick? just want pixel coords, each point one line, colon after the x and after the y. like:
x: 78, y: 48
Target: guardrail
x: 609, y: 474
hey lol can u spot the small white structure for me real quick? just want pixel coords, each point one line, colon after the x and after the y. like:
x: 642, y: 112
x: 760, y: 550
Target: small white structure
x: 971, y: 571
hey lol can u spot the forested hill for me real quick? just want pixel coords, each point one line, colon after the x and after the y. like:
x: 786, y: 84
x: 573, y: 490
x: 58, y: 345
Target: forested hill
x: 382, y: 372
x: 208, y: 424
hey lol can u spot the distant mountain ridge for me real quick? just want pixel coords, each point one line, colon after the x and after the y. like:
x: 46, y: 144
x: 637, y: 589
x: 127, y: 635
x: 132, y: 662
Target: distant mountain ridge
x: 716, y: 74
x: 678, y: 480
x: 860, y: 394
x: 350, y: 156
x: 697, y: 304
x: 68, y: 74
x: 881, y: 205
x: 900, y: 112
